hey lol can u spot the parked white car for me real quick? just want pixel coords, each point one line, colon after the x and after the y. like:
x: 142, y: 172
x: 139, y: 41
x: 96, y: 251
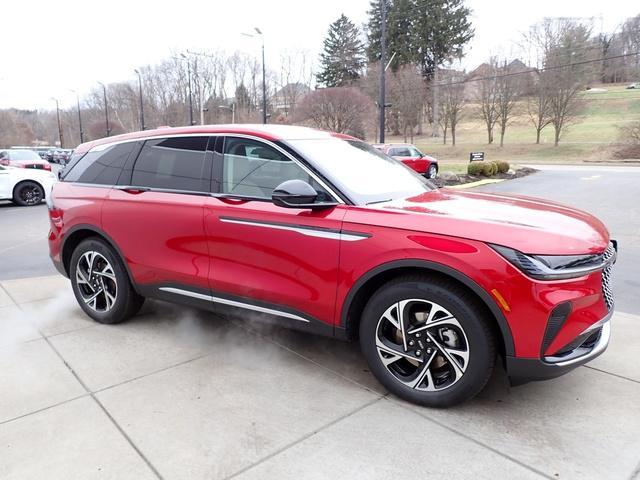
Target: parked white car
x: 25, y: 186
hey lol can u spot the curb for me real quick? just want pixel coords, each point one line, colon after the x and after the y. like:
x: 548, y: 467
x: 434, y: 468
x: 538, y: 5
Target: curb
x: 478, y: 183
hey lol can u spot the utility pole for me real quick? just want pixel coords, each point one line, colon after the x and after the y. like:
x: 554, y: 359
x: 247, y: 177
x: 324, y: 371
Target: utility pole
x: 59, y: 124
x: 141, y: 101
x: 383, y: 47
x: 189, y: 81
x: 79, y: 116
x: 264, y: 75
x: 106, y: 108
x: 435, y: 130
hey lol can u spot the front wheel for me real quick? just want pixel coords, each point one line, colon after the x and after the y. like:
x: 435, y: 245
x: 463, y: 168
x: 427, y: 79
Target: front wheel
x: 101, y: 284
x: 27, y: 194
x: 427, y: 340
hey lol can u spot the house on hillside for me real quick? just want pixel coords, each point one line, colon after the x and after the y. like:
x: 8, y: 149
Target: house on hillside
x: 285, y: 99
x: 525, y: 74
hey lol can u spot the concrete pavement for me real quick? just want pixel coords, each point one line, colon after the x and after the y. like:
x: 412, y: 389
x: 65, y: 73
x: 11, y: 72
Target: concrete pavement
x: 177, y: 393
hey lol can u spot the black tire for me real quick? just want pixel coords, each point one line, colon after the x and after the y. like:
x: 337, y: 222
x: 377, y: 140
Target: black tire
x: 127, y: 302
x: 28, y: 194
x: 465, y: 308
x: 432, y: 172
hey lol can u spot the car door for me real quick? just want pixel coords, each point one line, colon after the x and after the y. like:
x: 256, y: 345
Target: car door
x: 4, y: 183
x: 155, y: 214
x: 403, y: 154
x: 284, y: 260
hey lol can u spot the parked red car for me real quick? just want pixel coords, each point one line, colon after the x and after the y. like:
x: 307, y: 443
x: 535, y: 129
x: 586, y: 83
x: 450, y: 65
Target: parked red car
x: 412, y: 157
x: 278, y: 223
x: 23, y: 159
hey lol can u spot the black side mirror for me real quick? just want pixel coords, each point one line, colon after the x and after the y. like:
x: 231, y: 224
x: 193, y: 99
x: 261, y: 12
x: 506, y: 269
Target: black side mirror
x: 297, y: 194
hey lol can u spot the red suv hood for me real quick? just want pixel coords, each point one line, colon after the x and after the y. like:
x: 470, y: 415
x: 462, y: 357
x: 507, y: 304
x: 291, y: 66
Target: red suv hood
x: 526, y: 224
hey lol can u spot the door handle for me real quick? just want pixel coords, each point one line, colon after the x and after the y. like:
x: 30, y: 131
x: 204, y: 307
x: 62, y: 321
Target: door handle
x: 134, y: 190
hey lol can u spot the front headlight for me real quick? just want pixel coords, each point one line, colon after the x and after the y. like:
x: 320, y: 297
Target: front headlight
x: 556, y: 267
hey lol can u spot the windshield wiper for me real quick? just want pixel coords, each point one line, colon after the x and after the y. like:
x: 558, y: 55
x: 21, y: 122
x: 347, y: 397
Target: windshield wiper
x: 379, y: 201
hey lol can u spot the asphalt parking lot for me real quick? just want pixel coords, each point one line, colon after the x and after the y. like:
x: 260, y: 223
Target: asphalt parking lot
x: 176, y: 393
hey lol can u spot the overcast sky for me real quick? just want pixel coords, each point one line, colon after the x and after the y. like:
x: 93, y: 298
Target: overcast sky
x: 49, y: 47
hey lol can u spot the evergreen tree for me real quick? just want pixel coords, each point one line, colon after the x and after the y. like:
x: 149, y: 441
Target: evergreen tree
x: 343, y: 58
x: 424, y: 32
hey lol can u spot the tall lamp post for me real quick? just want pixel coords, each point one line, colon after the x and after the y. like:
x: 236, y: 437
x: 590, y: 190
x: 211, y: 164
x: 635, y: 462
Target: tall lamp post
x: 106, y: 108
x: 141, y: 101
x: 59, y: 124
x: 264, y: 80
x: 79, y: 116
x: 189, y: 81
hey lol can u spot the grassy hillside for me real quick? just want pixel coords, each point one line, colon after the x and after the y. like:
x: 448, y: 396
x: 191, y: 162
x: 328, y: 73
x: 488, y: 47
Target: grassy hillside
x: 591, y: 137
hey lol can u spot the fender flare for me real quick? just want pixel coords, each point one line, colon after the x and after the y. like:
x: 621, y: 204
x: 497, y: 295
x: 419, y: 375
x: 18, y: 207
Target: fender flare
x: 104, y: 235
x: 503, y: 325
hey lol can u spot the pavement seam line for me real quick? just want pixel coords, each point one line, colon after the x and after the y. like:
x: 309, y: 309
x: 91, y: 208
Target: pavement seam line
x: 24, y: 415
x: 106, y: 412
x: 310, y: 360
x: 10, y: 296
x: 463, y: 435
x: 611, y: 373
x: 304, y: 437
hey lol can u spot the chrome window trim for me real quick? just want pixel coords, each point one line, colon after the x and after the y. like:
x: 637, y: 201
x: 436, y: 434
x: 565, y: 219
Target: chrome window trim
x: 233, y: 303
x: 229, y: 134
x: 318, y: 232
x: 290, y: 157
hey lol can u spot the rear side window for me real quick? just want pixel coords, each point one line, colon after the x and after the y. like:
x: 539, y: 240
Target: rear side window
x: 176, y: 163
x: 101, y: 166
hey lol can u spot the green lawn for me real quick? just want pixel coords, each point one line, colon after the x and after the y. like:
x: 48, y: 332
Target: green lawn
x: 592, y: 136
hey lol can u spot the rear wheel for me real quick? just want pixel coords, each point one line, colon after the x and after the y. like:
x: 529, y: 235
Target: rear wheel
x: 427, y: 340
x: 101, y: 283
x: 28, y: 194
x: 432, y: 172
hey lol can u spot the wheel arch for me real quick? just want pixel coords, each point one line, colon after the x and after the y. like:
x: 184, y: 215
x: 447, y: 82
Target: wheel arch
x: 368, y: 283
x: 26, y: 180
x: 77, y: 234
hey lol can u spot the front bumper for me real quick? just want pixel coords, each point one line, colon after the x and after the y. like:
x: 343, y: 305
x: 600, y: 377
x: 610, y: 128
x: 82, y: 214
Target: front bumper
x: 592, y: 342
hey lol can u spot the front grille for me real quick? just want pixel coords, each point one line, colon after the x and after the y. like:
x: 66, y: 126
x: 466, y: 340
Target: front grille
x: 606, y: 277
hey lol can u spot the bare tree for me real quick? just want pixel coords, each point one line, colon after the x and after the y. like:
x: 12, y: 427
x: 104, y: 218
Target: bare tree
x: 452, y: 103
x: 407, y: 94
x: 508, y: 93
x: 487, y: 98
x: 340, y: 109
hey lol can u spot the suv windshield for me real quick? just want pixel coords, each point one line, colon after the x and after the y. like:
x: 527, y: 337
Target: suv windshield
x: 363, y: 173
x: 23, y: 155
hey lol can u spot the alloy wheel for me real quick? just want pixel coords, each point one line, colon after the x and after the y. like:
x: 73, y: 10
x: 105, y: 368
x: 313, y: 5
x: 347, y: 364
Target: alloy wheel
x: 422, y: 345
x: 31, y: 194
x: 96, y: 282
x: 433, y: 171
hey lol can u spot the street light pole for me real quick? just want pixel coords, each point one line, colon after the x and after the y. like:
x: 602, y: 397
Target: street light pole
x: 79, y: 116
x: 106, y: 108
x: 264, y: 75
x: 59, y: 124
x: 264, y: 80
x: 383, y: 47
x: 141, y: 101
x: 189, y: 81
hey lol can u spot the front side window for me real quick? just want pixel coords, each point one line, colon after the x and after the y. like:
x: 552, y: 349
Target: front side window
x: 254, y: 169
x: 101, y: 165
x: 414, y: 152
x: 360, y: 171
x: 175, y: 163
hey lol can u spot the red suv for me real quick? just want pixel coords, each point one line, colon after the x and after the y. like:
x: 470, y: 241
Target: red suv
x: 411, y: 157
x: 279, y: 223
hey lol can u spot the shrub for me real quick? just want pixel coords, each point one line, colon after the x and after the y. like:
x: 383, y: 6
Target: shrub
x: 489, y: 169
x: 475, y: 168
x: 503, y: 167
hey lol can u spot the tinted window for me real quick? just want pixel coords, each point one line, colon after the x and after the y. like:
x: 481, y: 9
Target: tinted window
x: 400, y: 152
x: 176, y: 163
x: 101, y: 166
x: 253, y: 169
